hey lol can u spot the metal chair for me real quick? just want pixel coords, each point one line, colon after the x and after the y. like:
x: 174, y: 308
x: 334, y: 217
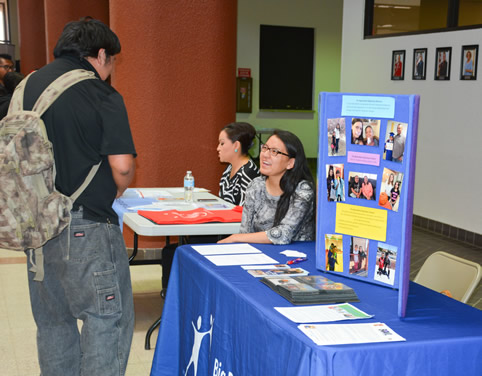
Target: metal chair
x: 442, y: 271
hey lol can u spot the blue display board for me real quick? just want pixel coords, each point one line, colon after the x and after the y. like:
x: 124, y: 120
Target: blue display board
x: 366, y: 174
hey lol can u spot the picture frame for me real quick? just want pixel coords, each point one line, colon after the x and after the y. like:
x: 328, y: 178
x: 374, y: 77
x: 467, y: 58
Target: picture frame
x: 398, y: 65
x: 419, y: 69
x: 443, y: 58
x: 468, y: 62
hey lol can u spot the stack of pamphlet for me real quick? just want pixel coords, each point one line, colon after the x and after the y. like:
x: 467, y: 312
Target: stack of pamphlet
x: 285, y: 272
x: 311, y: 289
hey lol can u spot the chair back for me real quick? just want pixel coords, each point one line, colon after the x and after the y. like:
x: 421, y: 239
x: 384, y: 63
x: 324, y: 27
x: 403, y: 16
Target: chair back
x: 442, y: 271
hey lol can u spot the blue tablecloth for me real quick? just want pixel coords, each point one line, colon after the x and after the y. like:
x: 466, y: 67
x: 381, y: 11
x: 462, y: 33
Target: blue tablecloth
x: 220, y: 321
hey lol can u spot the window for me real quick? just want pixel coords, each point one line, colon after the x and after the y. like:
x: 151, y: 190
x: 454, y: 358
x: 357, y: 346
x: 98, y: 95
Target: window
x: 389, y: 17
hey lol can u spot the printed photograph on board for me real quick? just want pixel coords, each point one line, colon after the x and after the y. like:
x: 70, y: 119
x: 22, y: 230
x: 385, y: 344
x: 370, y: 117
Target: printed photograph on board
x: 335, y: 182
x: 386, y: 263
x: 336, y: 137
x: 359, y: 256
x: 390, y: 190
x: 362, y: 185
x: 365, y: 131
x: 334, y: 252
x: 395, y: 137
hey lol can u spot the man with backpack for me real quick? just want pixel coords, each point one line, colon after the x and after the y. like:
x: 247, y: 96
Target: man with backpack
x: 86, y: 270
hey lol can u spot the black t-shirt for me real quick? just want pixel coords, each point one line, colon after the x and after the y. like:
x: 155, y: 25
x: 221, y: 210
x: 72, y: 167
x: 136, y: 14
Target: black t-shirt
x: 356, y: 186
x: 85, y: 124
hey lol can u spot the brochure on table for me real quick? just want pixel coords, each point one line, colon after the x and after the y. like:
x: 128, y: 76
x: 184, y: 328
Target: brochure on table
x: 367, y: 148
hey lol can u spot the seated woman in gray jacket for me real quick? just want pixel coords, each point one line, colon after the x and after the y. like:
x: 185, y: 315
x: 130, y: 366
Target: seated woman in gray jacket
x: 280, y: 205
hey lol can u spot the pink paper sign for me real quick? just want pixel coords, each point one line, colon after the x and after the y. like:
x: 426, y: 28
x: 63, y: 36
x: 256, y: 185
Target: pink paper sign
x: 364, y: 158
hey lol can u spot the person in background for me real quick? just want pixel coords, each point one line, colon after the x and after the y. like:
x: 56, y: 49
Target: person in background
x: 389, y: 184
x: 235, y: 140
x: 356, y: 259
x: 355, y: 189
x: 398, y: 67
x: 332, y: 257
x: 395, y: 193
x: 419, y: 66
x: 371, y: 139
x: 398, y: 145
x: 389, y: 147
x: 468, y: 64
x: 337, y: 136
x: 333, y: 143
x: 11, y: 80
x: 442, y: 67
x: 330, y: 184
x: 87, y: 274
x: 280, y: 205
x: 357, y: 131
x: 367, y: 189
x: 339, y: 186
x: 6, y: 65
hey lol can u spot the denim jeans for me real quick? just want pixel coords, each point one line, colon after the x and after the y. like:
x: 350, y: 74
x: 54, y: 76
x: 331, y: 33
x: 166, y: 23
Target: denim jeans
x: 87, y: 278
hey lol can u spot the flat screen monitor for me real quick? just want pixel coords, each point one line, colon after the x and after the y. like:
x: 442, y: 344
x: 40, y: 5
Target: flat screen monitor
x: 286, y: 68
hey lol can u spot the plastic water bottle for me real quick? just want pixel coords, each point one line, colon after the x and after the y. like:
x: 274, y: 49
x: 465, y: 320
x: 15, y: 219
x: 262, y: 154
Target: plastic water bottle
x: 188, y: 187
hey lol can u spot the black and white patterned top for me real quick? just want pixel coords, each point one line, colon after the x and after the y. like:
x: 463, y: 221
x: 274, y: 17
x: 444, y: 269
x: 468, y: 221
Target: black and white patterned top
x: 233, y: 190
x: 260, y: 208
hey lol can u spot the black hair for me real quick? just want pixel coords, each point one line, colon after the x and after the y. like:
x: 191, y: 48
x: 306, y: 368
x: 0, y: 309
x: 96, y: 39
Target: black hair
x: 359, y: 138
x: 6, y: 57
x: 292, y: 177
x: 242, y: 132
x: 84, y: 38
x: 11, y: 80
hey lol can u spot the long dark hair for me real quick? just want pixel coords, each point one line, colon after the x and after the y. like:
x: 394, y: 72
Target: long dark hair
x: 294, y: 176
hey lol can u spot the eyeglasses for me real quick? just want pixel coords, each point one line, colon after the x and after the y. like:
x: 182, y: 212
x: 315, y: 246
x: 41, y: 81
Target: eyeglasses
x: 273, y: 152
x: 8, y: 67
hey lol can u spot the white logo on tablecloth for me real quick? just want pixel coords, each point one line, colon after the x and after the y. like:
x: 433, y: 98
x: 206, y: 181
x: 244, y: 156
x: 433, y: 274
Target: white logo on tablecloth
x: 196, y: 346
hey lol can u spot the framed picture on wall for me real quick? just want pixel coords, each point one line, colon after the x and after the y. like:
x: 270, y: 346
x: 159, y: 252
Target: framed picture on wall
x: 419, y: 63
x: 398, y: 65
x: 443, y: 56
x: 468, y: 62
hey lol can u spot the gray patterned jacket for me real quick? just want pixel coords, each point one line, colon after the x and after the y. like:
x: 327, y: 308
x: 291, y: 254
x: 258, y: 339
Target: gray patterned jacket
x: 260, y: 208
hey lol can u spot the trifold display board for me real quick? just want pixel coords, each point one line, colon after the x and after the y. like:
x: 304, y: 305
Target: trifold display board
x: 366, y: 173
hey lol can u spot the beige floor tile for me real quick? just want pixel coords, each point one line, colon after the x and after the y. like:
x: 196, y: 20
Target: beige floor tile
x: 28, y: 365
x: 137, y: 369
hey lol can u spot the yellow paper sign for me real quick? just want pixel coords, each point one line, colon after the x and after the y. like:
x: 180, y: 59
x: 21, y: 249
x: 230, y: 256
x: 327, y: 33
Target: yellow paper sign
x: 360, y: 221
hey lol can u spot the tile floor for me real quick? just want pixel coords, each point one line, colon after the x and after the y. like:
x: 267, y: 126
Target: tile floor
x: 17, y: 329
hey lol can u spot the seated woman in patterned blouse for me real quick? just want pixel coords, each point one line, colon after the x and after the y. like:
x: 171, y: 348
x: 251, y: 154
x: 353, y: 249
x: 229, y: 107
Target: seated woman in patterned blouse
x: 279, y: 206
x: 235, y: 140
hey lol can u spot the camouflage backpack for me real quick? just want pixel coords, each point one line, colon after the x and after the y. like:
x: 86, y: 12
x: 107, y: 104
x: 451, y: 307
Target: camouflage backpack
x: 32, y: 211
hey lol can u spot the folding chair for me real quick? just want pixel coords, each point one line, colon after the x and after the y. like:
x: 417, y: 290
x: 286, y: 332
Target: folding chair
x: 442, y: 271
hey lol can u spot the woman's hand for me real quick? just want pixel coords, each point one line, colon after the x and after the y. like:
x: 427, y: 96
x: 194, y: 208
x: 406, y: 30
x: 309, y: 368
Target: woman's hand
x: 229, y: 239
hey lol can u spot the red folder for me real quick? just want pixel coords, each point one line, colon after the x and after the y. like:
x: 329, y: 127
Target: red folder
x: 189, y: 217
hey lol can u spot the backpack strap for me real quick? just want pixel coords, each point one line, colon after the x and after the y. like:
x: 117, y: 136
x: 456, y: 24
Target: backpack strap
x: 86, y: 182
x: 51, y: 93
x: 16, y: 103
x: 56, y: 88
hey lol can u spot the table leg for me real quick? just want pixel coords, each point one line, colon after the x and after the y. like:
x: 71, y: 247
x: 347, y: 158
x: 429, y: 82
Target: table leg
x: 153, y: 327
x: 134, y: 251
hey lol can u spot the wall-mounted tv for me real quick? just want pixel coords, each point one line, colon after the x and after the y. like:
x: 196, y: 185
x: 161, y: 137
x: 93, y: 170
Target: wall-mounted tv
x: 286, y: 68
